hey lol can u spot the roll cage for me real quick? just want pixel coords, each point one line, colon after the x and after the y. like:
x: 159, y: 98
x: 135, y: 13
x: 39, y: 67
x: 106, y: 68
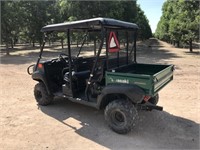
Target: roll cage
x: 102, y: 25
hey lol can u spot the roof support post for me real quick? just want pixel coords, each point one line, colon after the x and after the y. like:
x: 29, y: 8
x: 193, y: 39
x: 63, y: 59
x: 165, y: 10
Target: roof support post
x: 106, y: 34
x: 127, y: 46
x: 41, y: 50
x: 90, y: 82
x: 135, y: 37
x: 118, y: 64
x: 69, y: 57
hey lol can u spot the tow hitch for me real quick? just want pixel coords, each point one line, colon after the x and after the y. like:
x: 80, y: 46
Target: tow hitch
x: 149, y: 107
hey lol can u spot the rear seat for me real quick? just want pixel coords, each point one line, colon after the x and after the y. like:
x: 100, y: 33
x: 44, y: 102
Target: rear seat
x: 83, y: 64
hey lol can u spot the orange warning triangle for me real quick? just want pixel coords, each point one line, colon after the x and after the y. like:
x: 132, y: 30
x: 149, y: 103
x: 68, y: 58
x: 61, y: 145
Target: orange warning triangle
x: 113, y: 43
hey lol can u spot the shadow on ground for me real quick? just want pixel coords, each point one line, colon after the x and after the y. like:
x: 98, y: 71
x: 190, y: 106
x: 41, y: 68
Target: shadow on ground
x: 193, y: 53
x: 153, y: 129
x: 155, y: 55
x: 144, y: 54
x: 149, y: 51
x: 24, y: 47
x: 30, y: 54
x: 29, y: 57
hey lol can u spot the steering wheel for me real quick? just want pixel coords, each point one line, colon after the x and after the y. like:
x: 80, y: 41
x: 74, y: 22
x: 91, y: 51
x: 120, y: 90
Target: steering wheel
x: 63, y: 57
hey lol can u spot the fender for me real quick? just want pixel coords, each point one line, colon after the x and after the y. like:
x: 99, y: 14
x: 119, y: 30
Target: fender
x: 39, y: 76
x: 133, y: 92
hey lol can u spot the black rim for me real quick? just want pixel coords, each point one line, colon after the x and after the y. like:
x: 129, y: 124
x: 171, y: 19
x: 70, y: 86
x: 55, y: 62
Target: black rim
x: 118, y: 118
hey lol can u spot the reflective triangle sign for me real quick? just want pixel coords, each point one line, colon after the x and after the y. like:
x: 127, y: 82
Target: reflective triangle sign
x: 113, y: 43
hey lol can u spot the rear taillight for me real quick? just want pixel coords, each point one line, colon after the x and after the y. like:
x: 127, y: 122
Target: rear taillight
x: 40, y: 66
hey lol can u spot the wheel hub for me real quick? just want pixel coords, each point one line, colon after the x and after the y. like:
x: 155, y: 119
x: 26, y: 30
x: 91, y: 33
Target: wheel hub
x: 118, y: 118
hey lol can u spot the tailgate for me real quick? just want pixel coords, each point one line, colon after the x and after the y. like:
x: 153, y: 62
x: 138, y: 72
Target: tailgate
x: 162, y: 78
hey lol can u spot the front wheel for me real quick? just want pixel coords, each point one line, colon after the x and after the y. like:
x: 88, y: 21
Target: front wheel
x: 120, y: 115
x: 41, y: 95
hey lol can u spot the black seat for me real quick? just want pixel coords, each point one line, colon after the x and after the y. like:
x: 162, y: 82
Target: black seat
x: 78, y: 80
x: 81, y: 75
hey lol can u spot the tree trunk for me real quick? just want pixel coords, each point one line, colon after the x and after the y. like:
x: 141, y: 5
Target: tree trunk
x: 7, y: 50
x: 11, y: 42
x: 190, y: 45
x: 62, y: 43
x: 33, y: 43
x: 95, y: 47
x: 14, y: 43
x: 178, y: 44
x: 77, y: 43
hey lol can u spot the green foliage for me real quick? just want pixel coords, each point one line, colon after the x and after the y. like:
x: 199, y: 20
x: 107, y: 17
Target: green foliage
x: 23, y: 20
x: 10, y: 21
x: 179, y: 21
x: 145, y: 30
x: 37, y: 14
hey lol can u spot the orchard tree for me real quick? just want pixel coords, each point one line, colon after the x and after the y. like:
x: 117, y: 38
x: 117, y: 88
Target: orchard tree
x: 189, y: 21
x: 143, y: 23
x: 22, y: 20
x: 11, y: 24
x: 179, y: 22
x: 36, y: 17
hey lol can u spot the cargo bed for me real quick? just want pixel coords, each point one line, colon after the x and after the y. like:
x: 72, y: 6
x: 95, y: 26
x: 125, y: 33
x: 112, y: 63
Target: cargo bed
x: 150, y: 77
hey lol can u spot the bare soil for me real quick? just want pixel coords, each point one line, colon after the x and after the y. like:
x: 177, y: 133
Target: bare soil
x: 66, y: 125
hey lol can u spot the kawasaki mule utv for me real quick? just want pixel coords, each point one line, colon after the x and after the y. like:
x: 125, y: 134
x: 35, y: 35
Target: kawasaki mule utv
x: 111, y: 79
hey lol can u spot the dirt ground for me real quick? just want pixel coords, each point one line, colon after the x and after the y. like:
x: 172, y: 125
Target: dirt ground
x: 66, y: 125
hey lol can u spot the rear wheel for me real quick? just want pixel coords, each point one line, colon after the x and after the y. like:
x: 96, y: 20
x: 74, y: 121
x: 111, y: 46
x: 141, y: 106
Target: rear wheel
x: 154, y: 100
x: 41, y: 95
x: 120, y: 115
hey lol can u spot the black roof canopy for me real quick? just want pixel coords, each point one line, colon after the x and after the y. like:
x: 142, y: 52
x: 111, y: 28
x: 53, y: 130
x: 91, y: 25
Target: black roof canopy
x: 90, y: 24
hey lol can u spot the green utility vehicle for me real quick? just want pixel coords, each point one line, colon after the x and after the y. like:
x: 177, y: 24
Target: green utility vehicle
x: 110, y: 79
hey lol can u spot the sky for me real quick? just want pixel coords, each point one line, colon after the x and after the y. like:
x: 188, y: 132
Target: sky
x: 152, y: 10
